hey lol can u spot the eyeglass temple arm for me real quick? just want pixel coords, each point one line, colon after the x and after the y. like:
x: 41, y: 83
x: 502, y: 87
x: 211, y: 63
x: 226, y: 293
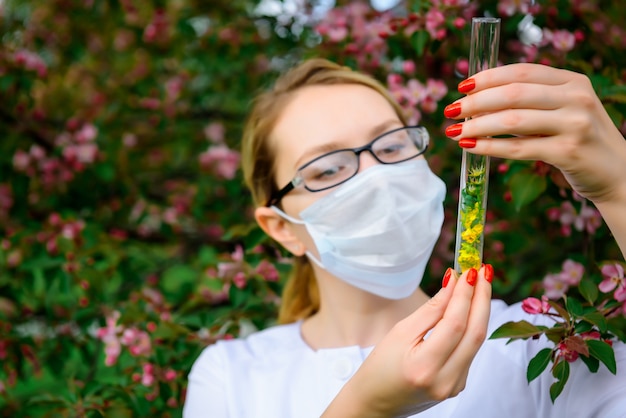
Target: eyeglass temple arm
x: 279, y: 195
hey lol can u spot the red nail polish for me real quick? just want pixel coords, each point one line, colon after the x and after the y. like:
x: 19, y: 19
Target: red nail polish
x: 467, y: 143
x: 472, y: 276
x: 454, y: 130
x: 446, y: 277
x: 452, y: 110
x: 466, y: 86
x: 489, y: 272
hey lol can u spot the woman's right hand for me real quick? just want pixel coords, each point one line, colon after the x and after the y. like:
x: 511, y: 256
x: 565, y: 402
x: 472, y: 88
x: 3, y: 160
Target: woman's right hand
x: 408, y: 371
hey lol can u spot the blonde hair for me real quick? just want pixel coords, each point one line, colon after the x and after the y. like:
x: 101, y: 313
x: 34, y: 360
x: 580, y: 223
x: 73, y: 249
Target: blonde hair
x: 300, y: 297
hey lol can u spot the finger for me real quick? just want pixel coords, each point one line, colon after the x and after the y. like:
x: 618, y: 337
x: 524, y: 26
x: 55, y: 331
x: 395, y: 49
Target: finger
x: 420, y: 322
x: 519, y: 148
x: 520, y: 73
x: 520, y: 122
x: 476, y: 331
x: 450, y: 329
x: 510, y: 96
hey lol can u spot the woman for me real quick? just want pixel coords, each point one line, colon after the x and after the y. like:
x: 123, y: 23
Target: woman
x: 341, y: 183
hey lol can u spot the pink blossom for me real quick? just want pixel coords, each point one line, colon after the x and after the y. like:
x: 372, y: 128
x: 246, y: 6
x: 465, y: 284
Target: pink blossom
x: 462, y: 67
x: 173, y: 87
x: 156, y: 30
x: 428, y: 105
x: 337, y: 33
x: 31, y: 62
x: 267, y: 270
x: 436, y: 89
x: 565, y: 353
x: 150, y: 103
x: 590, y: 335
x: 415, y: 92
x: 147, y: 378
x: 169, y: 375
x: 572, y: 272
x: 563, y: 40
x: 394, y: 81
x: 408, y: 67
x: 129, y: 140
x: 434, y: 19
x: 239, y: 279
x: 221, y: 159
x: 109, y: 336
x: 86, y: 134
x: 510, y: 7
x: 237, y: 255
x: 614, y: 279
x: 459, y: 23
x: 21, y: 160
x: 14, y: 258
x: 37, y: 152
x: 536, y: 306
x: 215, y: 132
x: 589, y: 219
x: 83, y: 153
x: 554, y: 286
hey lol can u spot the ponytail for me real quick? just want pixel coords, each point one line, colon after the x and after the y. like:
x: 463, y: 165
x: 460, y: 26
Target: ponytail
x: 301, y: 297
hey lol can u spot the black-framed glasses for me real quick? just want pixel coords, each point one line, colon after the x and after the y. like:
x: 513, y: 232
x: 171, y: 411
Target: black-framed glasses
x: 336, y: 167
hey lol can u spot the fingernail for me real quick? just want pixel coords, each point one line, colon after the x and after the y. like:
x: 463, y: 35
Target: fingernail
x: 472, y: 276
x: 489, y: 272
x: 466, y: 86
x: 452, y: 110
x: 454, y: 130
x: 467, y: 143
x: 446, y: 277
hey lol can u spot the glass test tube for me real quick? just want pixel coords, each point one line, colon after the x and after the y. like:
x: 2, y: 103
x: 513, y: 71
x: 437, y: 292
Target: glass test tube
x: 474, y: 182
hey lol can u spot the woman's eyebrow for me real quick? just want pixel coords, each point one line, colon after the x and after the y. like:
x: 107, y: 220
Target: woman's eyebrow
x: 330, y: 146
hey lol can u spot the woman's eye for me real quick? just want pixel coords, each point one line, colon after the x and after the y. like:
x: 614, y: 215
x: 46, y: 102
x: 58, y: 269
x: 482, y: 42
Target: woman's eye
x: 326, y: 173
x: 392, y: 148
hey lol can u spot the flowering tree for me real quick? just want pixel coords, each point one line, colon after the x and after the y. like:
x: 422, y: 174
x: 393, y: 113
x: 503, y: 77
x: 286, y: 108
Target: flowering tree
x: 126, y: 241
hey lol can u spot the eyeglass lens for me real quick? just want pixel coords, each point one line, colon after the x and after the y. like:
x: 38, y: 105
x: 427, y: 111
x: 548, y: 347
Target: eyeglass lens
x: 334, y: 168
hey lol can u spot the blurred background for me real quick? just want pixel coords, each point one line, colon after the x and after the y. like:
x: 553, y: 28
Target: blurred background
x: 126, y: 237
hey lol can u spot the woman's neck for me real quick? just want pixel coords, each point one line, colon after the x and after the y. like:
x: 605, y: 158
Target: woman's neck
x: 349, y: 316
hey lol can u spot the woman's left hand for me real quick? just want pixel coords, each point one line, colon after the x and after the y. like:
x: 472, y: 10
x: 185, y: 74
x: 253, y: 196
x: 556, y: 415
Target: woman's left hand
x: 553, y: 115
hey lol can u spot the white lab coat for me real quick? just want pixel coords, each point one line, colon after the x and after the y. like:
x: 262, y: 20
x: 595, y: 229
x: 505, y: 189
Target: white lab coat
x: 273, y: 373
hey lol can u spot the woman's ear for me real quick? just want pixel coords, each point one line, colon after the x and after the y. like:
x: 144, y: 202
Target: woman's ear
x: 279, y: 229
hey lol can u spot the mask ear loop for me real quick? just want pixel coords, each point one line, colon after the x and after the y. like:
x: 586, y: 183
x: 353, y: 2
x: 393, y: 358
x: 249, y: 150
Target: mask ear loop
x: 291, y: 219
x: 287, y: 217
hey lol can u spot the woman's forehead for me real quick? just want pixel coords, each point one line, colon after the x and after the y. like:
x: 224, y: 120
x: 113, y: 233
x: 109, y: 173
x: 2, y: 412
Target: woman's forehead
x: 331, y: 116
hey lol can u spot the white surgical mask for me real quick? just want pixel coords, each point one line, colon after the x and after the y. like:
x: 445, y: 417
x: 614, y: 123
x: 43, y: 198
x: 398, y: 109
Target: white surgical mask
x: 378, y: 230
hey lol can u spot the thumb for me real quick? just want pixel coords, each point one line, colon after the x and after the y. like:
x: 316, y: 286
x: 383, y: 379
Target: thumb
x: 428, y: 315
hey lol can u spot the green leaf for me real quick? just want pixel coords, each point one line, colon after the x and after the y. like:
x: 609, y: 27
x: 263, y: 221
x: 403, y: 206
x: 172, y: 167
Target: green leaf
x: 574, y: 306
x: 559, y: 309
x: 603, y: 352
x: 419, y: 42
x: 593, y: 364
x: 597, y: 319
x: 561, y: 372
x: 589, y: 290
x: 583, y: 326
x: 538, y: 364
x: 42, y: 263
x: 6, y: 82
x: 526, y: 187
x: 177, y: 276
x: 520, y: 329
